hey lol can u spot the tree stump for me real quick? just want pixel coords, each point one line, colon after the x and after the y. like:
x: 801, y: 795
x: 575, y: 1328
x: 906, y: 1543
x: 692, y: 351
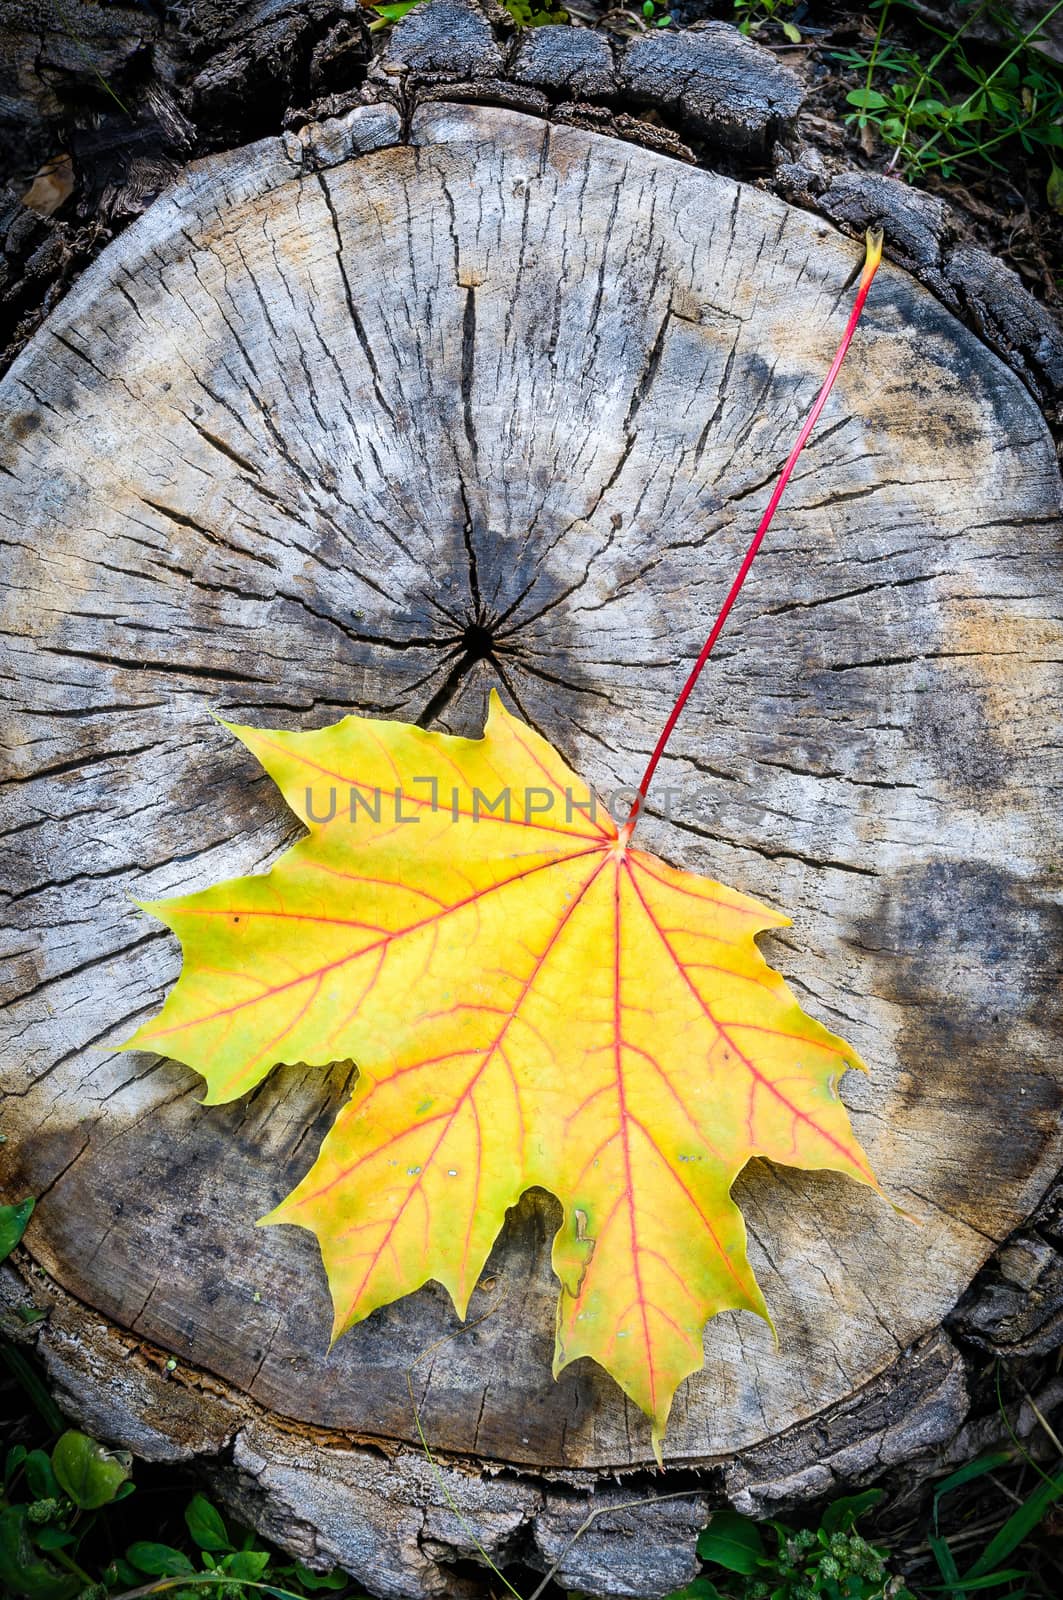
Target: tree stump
x: 376, y: 418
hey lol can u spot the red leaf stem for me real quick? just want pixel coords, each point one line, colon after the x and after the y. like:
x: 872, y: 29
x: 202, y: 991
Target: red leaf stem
x: 871, y: 263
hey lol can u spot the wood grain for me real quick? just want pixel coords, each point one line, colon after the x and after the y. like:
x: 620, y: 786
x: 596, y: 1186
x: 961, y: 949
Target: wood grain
x: 328, y: 404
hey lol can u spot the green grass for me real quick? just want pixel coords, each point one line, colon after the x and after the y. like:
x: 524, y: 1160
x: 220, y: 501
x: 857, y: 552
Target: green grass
x: 939, y: 104
x: 753, y: 15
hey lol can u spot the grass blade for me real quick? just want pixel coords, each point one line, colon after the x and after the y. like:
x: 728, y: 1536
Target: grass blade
x: 1018, y: 1527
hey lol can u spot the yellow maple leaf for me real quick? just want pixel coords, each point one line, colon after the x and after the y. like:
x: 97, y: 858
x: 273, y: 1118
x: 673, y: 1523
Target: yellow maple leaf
x: 530, y: 1001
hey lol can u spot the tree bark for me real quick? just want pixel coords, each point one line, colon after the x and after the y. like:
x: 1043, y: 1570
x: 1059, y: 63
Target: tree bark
x: 334, y: 401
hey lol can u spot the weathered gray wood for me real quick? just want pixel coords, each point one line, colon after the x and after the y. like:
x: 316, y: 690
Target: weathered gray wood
x: 327, y: 404
x: 720, y: 85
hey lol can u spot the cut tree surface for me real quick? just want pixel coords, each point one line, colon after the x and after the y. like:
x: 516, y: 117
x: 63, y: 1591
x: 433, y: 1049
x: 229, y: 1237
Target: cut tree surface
x: 342, y: 413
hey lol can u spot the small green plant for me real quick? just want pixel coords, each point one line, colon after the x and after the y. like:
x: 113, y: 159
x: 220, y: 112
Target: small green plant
x: 656, y: 13
x: 13, y: 1223
x: 525, y: 13
x: 831, y: 1562
x: 938, y: 111
x: 756, y: 14
x: 50, y: 1505
x: 529, y: 15
x: 48, y: 1508
x: 228, y: 1563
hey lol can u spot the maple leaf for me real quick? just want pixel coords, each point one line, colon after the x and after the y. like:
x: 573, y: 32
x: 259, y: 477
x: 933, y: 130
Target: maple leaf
x: 530, y: 1001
